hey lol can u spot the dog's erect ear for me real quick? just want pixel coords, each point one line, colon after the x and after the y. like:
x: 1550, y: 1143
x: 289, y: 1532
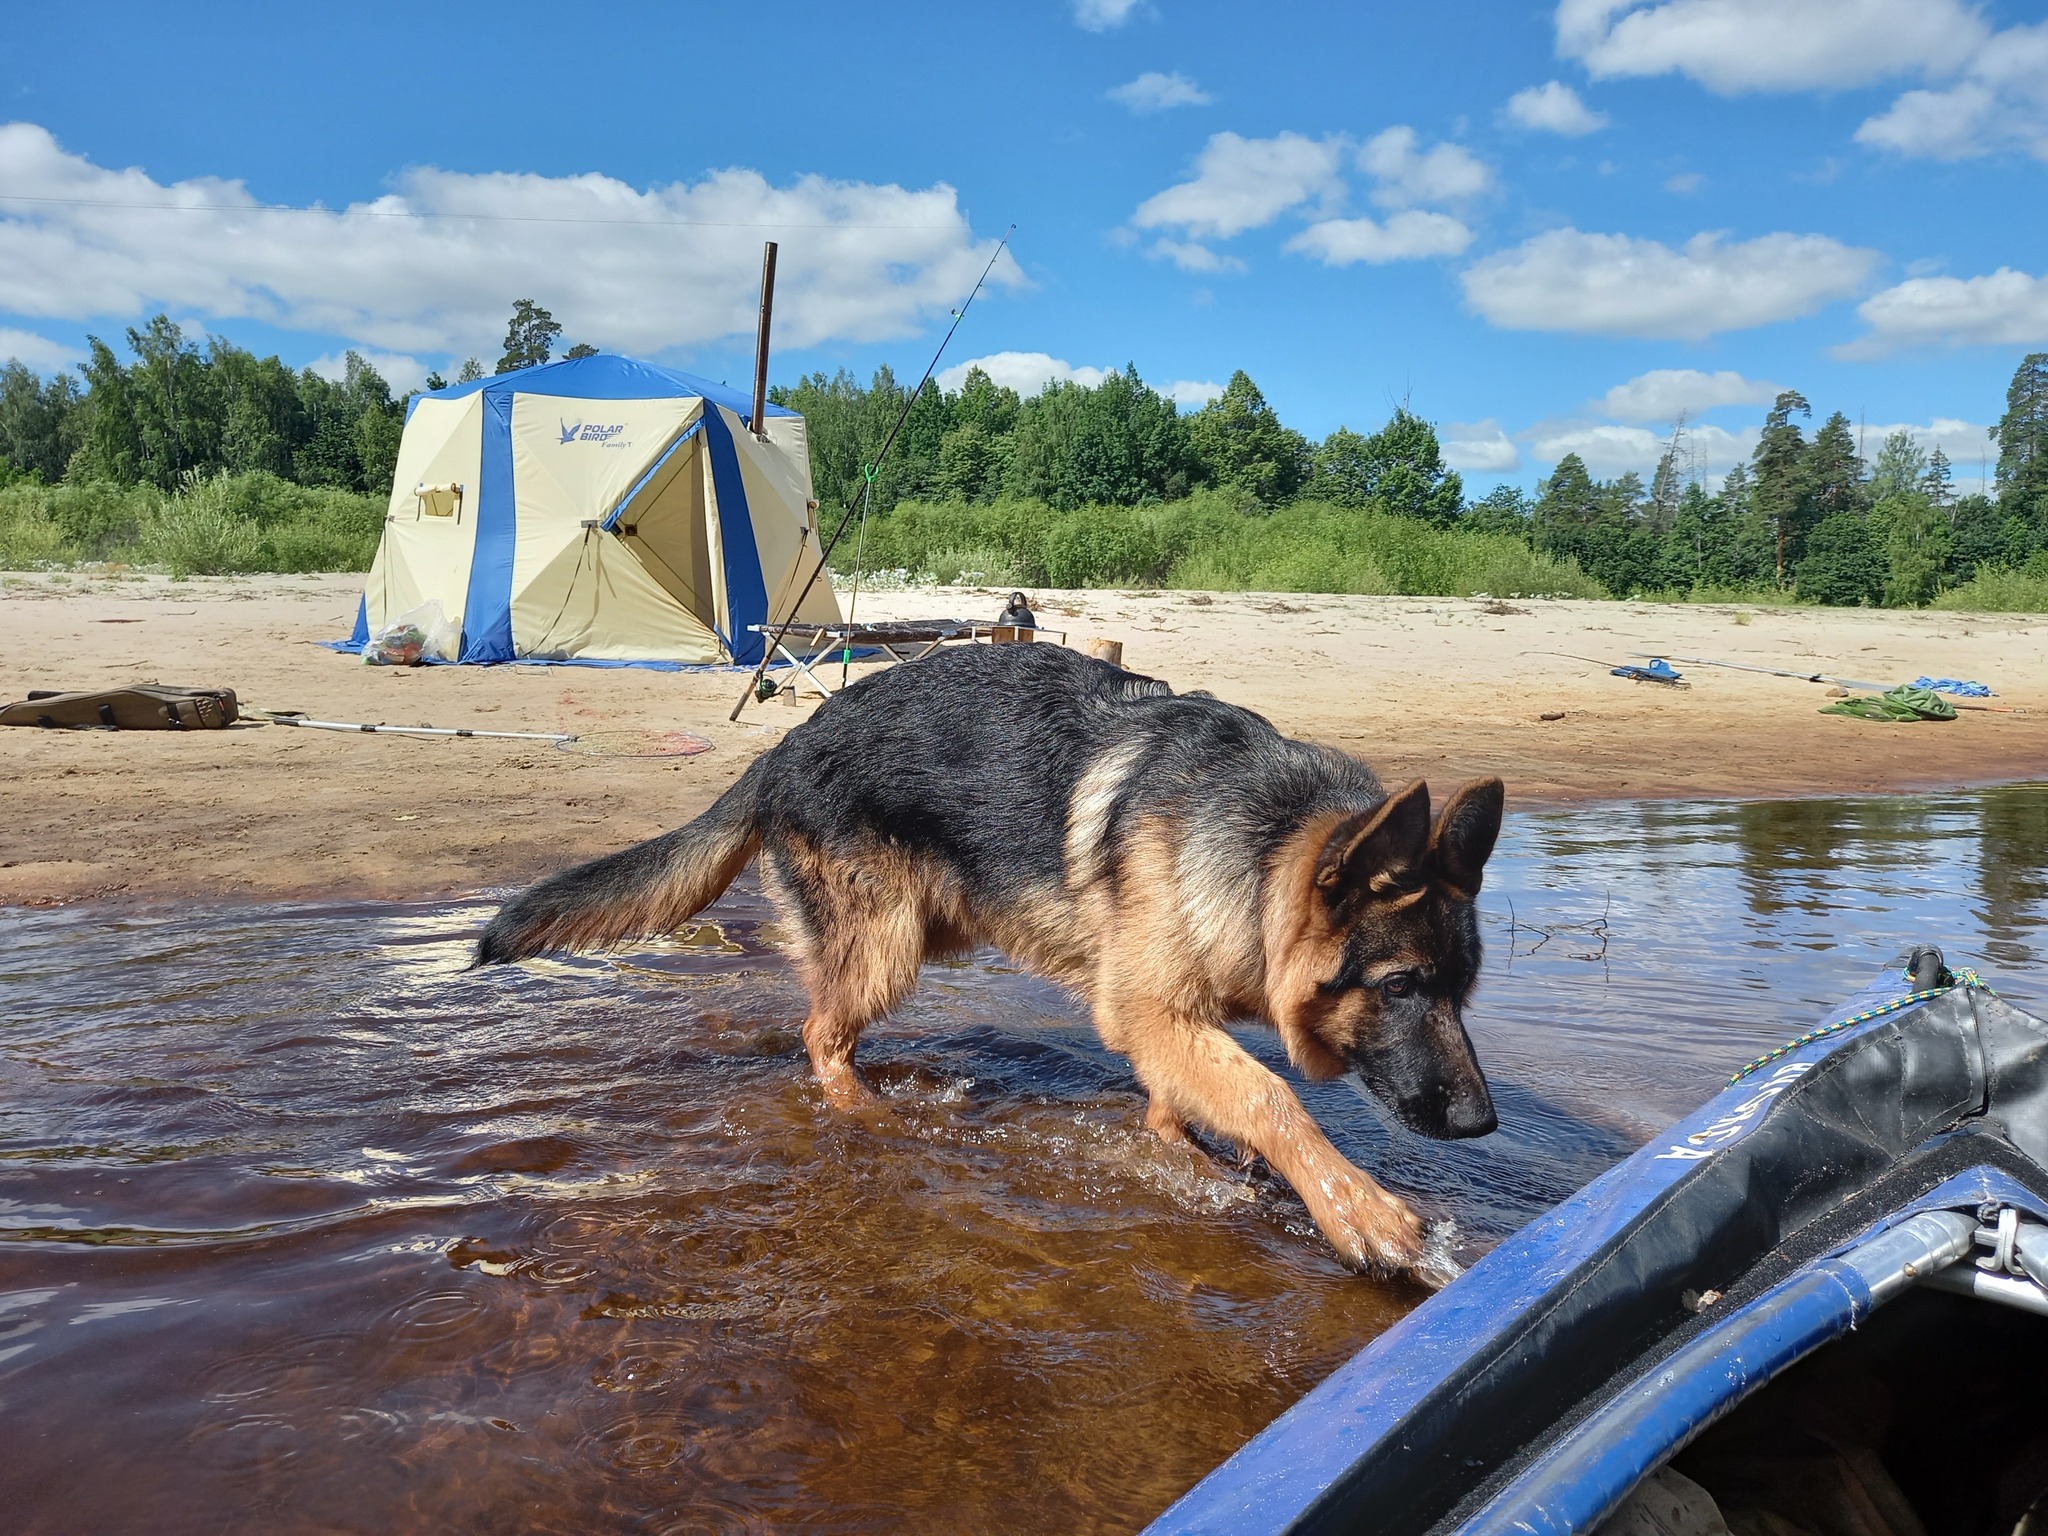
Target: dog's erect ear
x: 1465, y: 834
x: 1380, y: 851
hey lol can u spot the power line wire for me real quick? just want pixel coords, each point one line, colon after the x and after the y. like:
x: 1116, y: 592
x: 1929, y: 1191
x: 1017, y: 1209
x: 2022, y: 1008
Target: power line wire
x: 488, y: 218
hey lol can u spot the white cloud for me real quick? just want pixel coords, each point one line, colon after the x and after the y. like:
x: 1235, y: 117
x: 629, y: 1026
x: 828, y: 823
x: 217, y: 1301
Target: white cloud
x: 1025, y: 372
x: 1192, y: 394
x: 1102, y: 15
x: 1966, y: 443
x: 1608, y: 450
x: 1192, y: 256
x: 2000, y: 103
x: 1731, y: 46
x: 640, y: 271
x: 2004, y: 308
x: 1241, y: 183
x: 402, y: 373
x: 1403, y: 237
x: 1685, y: 183
x: 1154, y: 92
x: 1408, y: 177
x: 37, y: 352
x: 1664, y: 394
x: 1478, y: 446
x: 1554, y: 107
x: 1618, y: 285
x: 1029, y: 372
x: 1986, y: 90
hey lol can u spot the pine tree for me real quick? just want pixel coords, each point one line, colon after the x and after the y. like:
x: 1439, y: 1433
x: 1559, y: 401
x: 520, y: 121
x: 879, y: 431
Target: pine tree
x: 529, y: 336
x: 1778, y: 490
x: 1939, y: 483
x: 2022, y: 438
x: 1834, y: 470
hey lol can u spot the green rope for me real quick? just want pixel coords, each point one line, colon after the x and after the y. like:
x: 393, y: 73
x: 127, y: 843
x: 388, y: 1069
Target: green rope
x: 1963, y: 978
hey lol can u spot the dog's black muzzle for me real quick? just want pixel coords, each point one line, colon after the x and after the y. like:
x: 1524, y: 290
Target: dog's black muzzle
x: 1445, y: 1100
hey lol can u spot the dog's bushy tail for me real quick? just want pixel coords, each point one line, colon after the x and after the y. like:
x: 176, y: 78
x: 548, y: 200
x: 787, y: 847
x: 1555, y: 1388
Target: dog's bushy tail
x: 650, y: 888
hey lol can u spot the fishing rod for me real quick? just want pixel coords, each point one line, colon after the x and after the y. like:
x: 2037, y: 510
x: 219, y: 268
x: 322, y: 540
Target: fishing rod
x: 1743, y: 666
x: 769, y: 646
x: 1822, y: 677
x: 286, y: 717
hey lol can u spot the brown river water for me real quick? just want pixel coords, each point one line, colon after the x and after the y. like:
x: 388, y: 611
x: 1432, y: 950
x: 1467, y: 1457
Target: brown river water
x: 302, y: 1229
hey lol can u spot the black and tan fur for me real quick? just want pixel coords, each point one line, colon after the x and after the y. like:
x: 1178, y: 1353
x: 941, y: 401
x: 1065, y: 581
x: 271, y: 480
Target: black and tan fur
x: 1174, y: 860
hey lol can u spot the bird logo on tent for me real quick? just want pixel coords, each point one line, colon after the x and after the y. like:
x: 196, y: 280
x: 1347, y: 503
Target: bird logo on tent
x: 569, y: 430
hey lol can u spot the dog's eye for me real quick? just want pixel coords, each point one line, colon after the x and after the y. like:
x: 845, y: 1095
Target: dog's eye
x: 1400, y: 984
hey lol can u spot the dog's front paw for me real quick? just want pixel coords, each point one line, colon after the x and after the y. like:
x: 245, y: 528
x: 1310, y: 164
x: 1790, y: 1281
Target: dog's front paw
x: 1371, y: 1229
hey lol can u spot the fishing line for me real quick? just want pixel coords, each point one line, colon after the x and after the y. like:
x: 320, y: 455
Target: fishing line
x: 769, y: 644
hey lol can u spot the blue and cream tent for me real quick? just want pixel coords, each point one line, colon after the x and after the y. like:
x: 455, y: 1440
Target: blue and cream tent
x: 599, y: 509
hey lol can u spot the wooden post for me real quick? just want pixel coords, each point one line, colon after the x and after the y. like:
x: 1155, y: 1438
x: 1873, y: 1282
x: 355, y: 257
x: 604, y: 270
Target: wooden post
x: 1111, y: 651
x: 759, y: 420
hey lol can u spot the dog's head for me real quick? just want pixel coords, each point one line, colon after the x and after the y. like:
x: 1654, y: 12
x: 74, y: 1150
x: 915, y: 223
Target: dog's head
x: 1373, y: 948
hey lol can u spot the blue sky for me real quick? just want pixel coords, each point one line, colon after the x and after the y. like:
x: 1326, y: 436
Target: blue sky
x: 1547, y: 227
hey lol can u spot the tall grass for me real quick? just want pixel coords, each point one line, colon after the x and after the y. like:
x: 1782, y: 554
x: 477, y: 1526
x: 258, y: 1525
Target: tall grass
x: 1996, y: 590
x: 210, y: 526
x: 1214, y: 541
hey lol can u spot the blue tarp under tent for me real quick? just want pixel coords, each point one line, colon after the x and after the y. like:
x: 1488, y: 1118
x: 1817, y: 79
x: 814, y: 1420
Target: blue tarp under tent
x: 598, y: 509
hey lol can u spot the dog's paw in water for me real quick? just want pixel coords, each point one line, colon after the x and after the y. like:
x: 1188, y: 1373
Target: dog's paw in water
x: 1438, y: 1267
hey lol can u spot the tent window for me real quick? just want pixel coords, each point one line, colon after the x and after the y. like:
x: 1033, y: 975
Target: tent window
x: 438, y: 501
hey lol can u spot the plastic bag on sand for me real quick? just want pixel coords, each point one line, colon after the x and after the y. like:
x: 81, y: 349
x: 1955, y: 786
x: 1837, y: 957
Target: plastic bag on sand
x: 417, y: 635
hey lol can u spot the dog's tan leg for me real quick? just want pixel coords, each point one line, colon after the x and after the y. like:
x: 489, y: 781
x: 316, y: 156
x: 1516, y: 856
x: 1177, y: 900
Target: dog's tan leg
x: 861, y: 944
x: 1162, y: 1122
x: 829, y: 1038
x: 1195, y: 1071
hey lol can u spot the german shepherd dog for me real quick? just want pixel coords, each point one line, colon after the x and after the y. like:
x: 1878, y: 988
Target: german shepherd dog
x: 1174, y: 860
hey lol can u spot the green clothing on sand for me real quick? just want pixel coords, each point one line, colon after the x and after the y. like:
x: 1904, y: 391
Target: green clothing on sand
x: 1902, y: 703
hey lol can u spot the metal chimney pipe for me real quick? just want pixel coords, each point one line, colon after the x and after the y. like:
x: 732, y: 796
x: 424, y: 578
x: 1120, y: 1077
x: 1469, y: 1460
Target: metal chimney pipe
x: 759, y: 420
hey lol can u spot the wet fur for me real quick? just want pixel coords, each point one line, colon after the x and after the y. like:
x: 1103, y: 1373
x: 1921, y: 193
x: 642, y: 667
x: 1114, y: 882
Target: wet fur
x: 1173, y: 859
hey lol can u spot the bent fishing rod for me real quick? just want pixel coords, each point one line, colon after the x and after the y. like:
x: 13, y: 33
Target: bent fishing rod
x: 1822, y: 677
x: 769, y: 645
x: 1743, y: 666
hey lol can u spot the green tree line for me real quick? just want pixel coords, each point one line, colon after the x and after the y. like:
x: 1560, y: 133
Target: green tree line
x: 980, y: 471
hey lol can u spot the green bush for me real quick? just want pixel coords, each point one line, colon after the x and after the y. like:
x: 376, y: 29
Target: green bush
x: 1103, y: 547
x: 29, y: 536
x: 1994, y: 589
x: 198, y: 533
x: 97, y: 521
x: 249, y: 522
x: 1215, y: 539
x: 976, y: 565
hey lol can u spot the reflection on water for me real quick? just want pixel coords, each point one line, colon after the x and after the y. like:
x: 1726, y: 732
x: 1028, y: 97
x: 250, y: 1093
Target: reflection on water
x: 301, y: 1228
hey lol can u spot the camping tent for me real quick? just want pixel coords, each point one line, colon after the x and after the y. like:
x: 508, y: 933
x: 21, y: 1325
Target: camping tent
x: 598, y: 509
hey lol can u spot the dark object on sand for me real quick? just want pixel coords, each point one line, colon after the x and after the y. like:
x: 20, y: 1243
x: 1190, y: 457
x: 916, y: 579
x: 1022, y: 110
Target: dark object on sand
x: 1018, y: 612
x: 142, y: 707
x: 1658, y: 671
x: 1823, y: 1292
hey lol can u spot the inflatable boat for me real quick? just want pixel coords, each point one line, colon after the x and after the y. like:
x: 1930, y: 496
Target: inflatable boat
x: 1816, y: 1307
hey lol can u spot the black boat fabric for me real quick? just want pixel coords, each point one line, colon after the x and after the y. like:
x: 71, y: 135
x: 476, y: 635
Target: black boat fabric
x: 1877, y: 1112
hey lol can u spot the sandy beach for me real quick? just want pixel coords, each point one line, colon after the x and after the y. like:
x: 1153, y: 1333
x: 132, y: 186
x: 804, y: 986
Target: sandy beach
x: 1439, y: 688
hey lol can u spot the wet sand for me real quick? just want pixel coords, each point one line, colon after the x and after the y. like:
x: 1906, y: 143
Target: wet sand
x: 1435, y: 687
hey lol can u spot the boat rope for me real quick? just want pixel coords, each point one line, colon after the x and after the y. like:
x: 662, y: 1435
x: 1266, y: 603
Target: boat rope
x: 1962, y: 978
